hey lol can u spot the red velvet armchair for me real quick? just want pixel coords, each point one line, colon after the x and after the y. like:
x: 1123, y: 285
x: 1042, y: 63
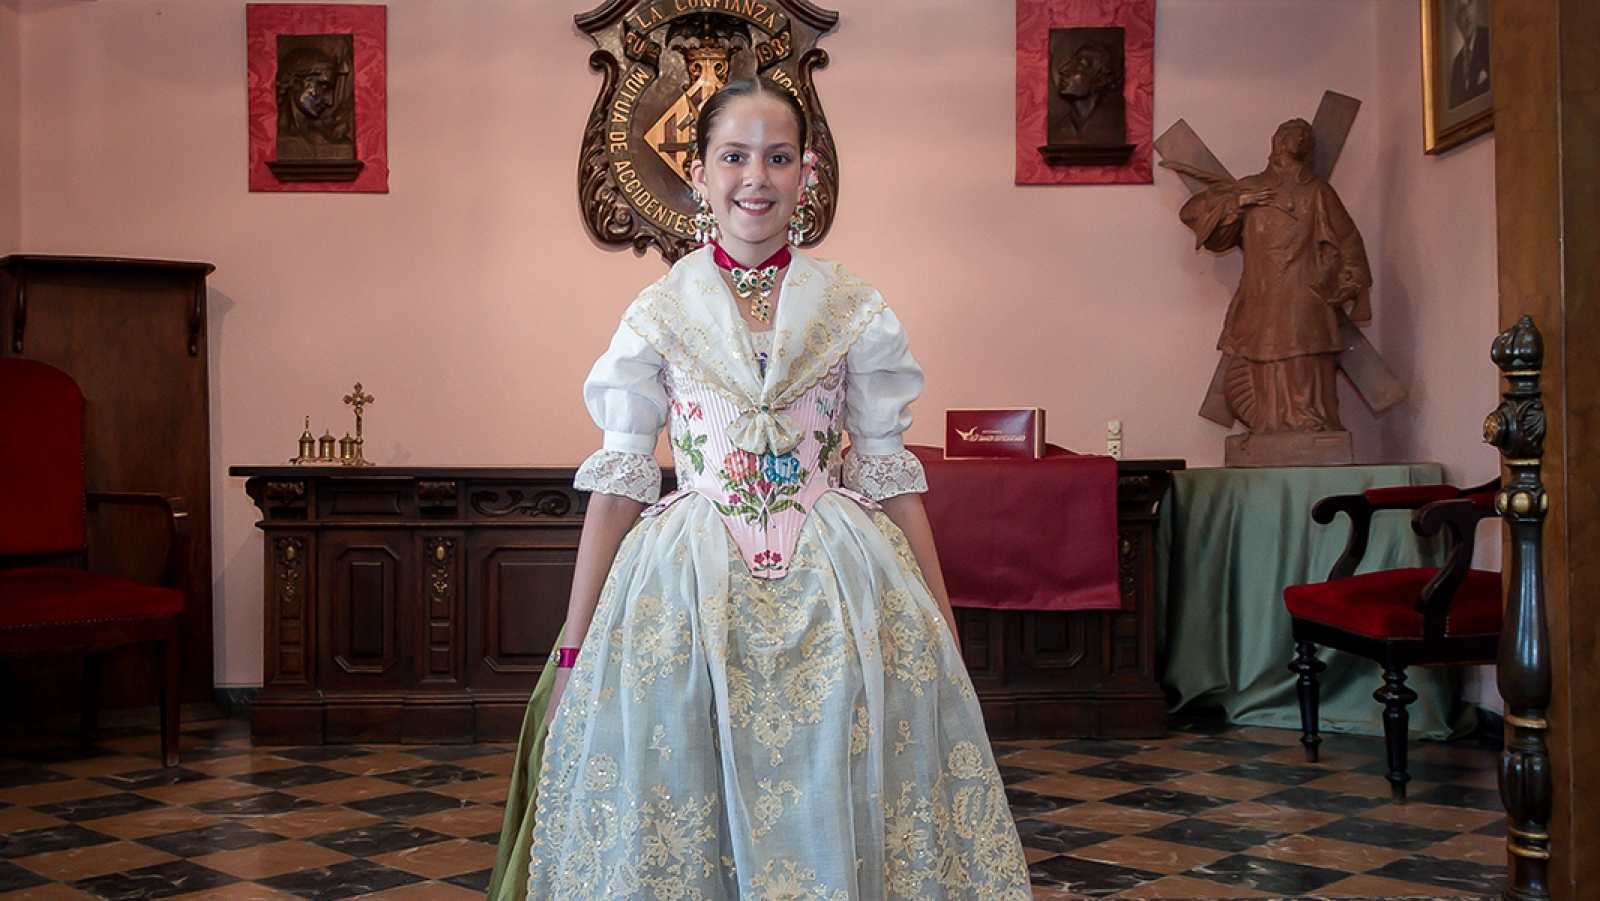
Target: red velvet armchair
x: 50, y: 602
x: 1420, y: 616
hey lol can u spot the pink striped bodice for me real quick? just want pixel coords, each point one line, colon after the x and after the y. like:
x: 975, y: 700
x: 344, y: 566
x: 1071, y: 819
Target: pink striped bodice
x: 763, y: 498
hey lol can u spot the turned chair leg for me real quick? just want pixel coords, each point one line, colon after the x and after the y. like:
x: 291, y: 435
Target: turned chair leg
x: 1396, y: 695
x: 1307, y: 665
x: 171, y: 666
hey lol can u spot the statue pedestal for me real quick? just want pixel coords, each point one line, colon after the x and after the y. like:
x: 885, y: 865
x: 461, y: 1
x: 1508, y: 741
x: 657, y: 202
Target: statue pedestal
x: 1249, y: 449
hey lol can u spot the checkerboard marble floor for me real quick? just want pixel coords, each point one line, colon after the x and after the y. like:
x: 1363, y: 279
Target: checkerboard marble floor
x: 1210, y: 811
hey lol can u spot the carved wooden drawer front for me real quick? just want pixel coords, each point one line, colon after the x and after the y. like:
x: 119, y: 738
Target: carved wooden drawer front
x: 409, y: 604
x: 421, y: 604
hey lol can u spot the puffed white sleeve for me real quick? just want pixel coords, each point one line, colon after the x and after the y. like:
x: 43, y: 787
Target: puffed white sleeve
x: 881, y: 381
x: 626, y: 397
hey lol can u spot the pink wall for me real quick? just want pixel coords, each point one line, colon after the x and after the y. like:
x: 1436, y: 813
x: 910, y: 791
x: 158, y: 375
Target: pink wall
x: 1438, y: 273
x: 470, y: 301
x: 10, y: 133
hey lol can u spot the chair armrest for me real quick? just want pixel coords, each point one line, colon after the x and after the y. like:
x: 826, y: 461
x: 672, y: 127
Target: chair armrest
x: 1458, y: 519
x: 176, y: 571
x: 1409, y: 497
x: 1360, y: 511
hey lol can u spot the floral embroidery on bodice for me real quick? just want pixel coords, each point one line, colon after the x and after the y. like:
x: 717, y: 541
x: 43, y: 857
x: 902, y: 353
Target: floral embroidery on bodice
x: 759, y: 438
x: 763, y: 498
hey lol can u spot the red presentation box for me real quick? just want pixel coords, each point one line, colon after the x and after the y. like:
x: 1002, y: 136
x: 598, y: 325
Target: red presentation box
x: 1016, y: 433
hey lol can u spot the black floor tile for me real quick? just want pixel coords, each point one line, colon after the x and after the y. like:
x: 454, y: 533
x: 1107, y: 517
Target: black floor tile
x: 1302, y: 798
x: 67, y: 753
x: 1128, y: 771
x: 381, y: 838
x: 1269, y: 771
x: 321, y: 753
x: 477, y: 881
x: 1011, y: 775
x: 1266, y: 875
x: 255, y: 805
x: 14, y: 878
x: 54, y: 838
x: 1025, y: 803
x: 80, y: 810
x: 1058, y: 838
x: 1087, y: 877
x: 435, y: 775
x: 209, y: 840
x: 157, y: 777
x: 1460, y: 796
x: 453, y: 753
x: 1382, y: 833
x: 1232, y: 747
x: 163, y: 880
x: 342, y: 880
x: 1206, y: 834
x: 1347, y: 743
x: 1423, y: 770
x: 1194, y: 725
x: 1166, y: 800
x: 12, y: 777
x: 1496, y: 829
x: 292, y: 777
x: 407, y: 804
x: 1464, y: 875
x: 1099, y: 747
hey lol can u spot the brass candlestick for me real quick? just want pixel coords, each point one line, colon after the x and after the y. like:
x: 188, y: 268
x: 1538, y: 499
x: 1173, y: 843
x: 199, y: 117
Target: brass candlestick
x: 358, y: 400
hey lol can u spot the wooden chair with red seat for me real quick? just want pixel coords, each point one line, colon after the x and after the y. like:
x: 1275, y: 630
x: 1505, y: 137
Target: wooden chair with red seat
x: 1416, y: 616
x: 50, y: 601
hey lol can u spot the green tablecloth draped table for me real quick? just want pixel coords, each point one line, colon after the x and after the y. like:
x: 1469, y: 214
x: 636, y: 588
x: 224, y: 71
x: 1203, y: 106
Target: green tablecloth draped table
x: 1230, y: 541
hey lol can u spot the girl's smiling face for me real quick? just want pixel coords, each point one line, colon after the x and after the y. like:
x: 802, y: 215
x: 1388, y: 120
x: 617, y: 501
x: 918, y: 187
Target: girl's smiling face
x: 753, y: 175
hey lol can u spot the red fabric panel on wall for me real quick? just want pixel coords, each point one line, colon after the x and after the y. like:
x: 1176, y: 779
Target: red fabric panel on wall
x: 41, y: 459
x: 1025, y: 534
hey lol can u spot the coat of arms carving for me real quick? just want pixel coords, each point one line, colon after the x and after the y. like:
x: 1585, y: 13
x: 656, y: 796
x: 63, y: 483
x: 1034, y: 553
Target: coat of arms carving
x: 660, y: 60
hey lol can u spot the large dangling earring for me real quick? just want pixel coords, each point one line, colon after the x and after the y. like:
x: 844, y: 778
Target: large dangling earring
x: 801, y: 220
x: 705, y: 223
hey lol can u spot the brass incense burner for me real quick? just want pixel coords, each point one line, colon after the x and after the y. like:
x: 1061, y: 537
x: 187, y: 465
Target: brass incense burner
x: 328, y: 450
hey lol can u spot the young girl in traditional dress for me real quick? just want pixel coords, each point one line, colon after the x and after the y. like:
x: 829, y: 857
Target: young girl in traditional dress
x: 759, y: 695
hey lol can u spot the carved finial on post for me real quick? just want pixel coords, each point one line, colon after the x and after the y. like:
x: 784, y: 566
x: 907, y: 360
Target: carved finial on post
x: 1517, y: 428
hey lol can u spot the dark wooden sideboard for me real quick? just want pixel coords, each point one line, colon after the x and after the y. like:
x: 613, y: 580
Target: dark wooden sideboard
x: 415, y: 604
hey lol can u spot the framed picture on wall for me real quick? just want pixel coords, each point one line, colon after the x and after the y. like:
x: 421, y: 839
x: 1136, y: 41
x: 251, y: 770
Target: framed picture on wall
x: 1085, y: 91
x: 318, y: 102
x: 1457, y: 95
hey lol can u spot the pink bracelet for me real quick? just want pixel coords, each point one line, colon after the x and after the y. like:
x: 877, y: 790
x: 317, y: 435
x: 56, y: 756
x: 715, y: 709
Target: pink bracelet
x: 566, y: 658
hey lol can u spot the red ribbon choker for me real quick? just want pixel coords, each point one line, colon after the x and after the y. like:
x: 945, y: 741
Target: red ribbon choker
x: 723, y: 260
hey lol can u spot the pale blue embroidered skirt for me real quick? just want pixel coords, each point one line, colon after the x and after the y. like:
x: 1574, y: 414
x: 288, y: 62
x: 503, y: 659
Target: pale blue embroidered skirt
x: 815, y: 737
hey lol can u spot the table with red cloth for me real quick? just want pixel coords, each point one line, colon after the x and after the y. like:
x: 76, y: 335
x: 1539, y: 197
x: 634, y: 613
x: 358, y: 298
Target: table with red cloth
x: 1050, y: 566
x: 1025, y: 534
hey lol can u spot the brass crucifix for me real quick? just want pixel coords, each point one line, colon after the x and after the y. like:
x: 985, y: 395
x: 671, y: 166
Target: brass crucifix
x: 358, y: 400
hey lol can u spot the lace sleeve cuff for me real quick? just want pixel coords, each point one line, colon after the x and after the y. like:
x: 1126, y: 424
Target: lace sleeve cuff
x: 880, y: 477
x: 636, y: 476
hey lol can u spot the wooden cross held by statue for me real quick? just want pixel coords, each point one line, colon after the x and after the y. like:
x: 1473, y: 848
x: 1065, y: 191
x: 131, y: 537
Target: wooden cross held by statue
x: 1183, y: 152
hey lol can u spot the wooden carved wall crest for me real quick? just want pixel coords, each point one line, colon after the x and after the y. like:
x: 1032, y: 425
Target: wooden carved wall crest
x: 660, y: 60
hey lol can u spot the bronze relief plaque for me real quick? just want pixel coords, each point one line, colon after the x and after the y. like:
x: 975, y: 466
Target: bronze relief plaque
x: 660, y: 60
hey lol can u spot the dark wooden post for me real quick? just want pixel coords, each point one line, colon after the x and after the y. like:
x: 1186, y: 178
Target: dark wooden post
x: 1517, y: 428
